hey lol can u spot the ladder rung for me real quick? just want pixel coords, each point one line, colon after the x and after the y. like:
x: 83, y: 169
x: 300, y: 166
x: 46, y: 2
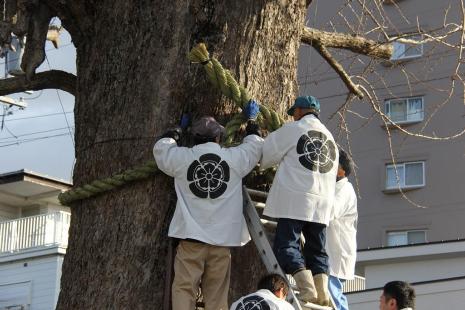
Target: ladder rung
x: 268, y: 223
x: 256, y: 193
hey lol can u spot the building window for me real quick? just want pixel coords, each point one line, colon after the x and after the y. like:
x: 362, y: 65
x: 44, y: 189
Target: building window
x: 405, y: 110
x: 406, y: 50
x: 406, y: 237
x: 410, y: 174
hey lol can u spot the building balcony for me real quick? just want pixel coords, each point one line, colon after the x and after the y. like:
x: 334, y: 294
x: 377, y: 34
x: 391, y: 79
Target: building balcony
x: 34, y: 232
x: 354, y: 285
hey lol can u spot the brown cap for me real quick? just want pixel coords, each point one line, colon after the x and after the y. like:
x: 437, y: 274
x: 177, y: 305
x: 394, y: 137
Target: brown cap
x: 207, y: 126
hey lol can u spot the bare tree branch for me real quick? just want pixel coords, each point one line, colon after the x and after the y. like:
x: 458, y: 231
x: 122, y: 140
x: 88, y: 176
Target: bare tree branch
x: 354, y: 43
x: 53, y: 79
x: 338, y: 68
x: 34, y: 53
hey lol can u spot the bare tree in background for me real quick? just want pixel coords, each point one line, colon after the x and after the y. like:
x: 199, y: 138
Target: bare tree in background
x: 427, y: 57
x: 133, y: 81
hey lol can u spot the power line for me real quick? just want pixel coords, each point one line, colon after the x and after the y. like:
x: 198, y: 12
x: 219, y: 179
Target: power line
x: 61, y: 104
x: 32, y: 133
x: 35, y: 97
x: 10, y: 132
x: 36, y: 116
x: 33, y: 139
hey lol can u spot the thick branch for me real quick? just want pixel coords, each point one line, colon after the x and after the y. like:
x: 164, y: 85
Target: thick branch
x: 338, y: 68
x: 356, y: 44
x: 34, y: 53
x: 55, y: 79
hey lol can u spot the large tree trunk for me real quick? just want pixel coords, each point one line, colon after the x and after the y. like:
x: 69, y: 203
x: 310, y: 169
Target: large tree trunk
x: 133, y: 80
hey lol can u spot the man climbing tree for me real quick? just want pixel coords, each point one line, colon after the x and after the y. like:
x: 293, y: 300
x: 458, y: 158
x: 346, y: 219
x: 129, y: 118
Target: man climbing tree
x: 208, y: 217
x: 302, y: 196
x: 133, y: 82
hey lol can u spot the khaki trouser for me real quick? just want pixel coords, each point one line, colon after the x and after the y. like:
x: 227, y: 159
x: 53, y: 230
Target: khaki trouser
x: 195, y: 262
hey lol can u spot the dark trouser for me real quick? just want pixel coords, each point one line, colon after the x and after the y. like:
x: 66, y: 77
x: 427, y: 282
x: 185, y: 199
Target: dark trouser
x: 288, y: 251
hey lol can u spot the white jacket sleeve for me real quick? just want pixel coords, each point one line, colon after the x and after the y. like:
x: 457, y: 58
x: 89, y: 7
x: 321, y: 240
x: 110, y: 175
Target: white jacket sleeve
x: 348, y: 207
x: 276, y: 145
x: 352, y: 210
x: 247, y: 154
x: 170, y: 158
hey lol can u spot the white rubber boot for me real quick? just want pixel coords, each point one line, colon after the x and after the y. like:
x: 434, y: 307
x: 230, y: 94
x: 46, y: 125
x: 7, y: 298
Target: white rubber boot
x: 321, y: 285
x: 304, y: 281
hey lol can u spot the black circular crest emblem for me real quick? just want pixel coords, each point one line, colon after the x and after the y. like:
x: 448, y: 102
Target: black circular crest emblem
x: 253, y: 302
x: 208, y: 176
x: 317, y: 152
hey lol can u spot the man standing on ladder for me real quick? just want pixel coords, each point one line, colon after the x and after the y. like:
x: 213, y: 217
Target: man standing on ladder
x: 302, y: 195
x: 341, y: 242
x: 208, y: 218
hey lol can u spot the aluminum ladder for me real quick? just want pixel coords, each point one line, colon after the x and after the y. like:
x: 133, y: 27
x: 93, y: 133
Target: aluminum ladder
x: 258, y: 235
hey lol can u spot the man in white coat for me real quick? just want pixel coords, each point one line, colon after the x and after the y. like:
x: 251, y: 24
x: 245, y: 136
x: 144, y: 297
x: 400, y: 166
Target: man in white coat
x: 271, y: 295
x: 208, y: 218
x: 341, y: 241
x: 301, y: 196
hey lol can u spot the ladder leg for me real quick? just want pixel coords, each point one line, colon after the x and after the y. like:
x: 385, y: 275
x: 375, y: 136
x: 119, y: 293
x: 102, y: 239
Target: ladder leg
x: 260, y: 239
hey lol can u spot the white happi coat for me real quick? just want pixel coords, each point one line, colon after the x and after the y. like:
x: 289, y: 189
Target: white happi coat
x: 341, y: 241
x: 303, y: 188
x: 208, y: 184
x: 261, y: 299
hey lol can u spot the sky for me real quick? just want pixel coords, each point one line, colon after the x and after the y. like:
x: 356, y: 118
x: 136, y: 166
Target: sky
x: 40, y: 138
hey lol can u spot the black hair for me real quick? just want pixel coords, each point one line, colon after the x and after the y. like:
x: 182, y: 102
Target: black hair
x: 312, y: 111
x: 203, y: 139
x: 402, y: 292
x: 346, y: 163
x: 273, y: 282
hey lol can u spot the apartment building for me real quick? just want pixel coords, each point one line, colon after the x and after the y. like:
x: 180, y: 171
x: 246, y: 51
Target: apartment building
x: 426, y: 202
x: 33, y: 240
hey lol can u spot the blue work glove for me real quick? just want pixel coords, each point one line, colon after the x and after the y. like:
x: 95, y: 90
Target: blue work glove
x: 185, y: 120
x: 251, y: 109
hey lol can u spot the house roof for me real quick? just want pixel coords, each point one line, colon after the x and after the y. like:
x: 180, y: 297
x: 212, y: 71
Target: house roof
x: 23, y: 188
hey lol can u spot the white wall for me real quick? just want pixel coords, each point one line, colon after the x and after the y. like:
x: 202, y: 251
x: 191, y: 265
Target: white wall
x: 416, y: 271
x: 44, y: 275
x: 50, y: 208
x: 8, y: 213
x: 448, y: 295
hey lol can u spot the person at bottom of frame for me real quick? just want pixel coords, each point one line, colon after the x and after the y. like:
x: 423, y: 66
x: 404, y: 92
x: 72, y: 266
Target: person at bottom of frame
x: 271, y: 295
x: 397, y: 295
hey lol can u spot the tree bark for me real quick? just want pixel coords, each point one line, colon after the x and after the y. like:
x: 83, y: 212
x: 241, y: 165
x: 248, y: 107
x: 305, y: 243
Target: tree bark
x: 134, y: 79
x: 55, y: 79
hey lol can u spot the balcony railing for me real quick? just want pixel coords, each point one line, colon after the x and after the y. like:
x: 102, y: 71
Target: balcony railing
x: 34, y: 231
x: 354, y: 285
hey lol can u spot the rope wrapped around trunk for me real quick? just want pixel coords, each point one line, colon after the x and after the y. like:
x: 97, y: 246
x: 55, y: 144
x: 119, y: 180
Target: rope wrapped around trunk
x: 221, y: 79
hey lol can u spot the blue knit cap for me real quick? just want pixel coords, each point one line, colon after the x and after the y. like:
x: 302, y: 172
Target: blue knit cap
x: 305, y: 102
